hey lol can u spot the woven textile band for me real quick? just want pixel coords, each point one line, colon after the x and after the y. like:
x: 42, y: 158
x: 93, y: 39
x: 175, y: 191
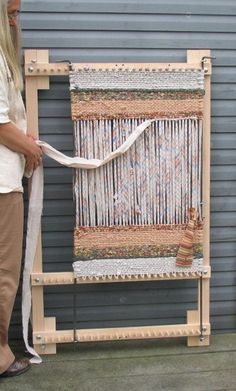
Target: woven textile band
x: 132, y: 267
x: 157, y: 180
x: 109, y: 109
x: 126, y: 79
x: 127, y: 95
x: 132, y: 241
x: 107, y: 94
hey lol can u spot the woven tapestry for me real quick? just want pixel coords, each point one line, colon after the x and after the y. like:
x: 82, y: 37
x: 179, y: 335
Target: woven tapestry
x: 144, y: 207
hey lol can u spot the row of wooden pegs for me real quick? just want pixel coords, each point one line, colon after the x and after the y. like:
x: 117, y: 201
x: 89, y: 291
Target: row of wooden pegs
x: 76, y: 278
x: 83, y: 336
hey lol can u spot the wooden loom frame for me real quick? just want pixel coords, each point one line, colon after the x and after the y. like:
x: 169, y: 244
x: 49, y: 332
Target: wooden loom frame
x: 197, y: 329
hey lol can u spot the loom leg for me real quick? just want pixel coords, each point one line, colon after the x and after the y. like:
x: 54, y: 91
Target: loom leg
x: 47, y: 348
x: 193, y: 317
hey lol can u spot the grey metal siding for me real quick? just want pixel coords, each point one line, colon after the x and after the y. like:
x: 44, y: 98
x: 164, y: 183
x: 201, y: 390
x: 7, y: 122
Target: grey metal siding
x: 136, y: 31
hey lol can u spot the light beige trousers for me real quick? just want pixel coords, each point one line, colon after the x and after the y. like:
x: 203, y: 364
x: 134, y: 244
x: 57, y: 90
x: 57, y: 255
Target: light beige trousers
x: 11, y: 236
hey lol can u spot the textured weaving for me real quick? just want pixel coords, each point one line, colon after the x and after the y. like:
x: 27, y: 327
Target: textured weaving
x: 185, y: 252
x: 135, y: 79
x: 137, y: 108
x: 137, y: 206
x: 104, y: 94
x: 134, y: 241
x: 145, y: 267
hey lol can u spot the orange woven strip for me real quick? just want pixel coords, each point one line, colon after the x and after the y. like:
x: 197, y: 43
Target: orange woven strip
x: 105, y: 237
x: 98, y: 95
x: 108, y: 109
x: 133, y: 252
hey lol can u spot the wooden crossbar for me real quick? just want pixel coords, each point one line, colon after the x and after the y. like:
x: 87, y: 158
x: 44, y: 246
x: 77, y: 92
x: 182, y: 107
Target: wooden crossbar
x: 34, y: 68
x: 68, y: 278
x: 120, y: 333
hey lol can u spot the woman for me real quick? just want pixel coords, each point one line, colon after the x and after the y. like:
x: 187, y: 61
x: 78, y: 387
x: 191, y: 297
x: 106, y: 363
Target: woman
x: 18, y: 154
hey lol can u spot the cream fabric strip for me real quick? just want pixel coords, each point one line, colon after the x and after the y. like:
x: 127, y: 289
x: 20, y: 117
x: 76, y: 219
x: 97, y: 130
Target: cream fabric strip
x: 33, y: 226
x: 78, y: 162
x: 35, y: 212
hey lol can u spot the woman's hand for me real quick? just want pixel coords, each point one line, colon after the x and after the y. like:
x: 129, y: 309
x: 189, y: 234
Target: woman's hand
x: 33, y: 156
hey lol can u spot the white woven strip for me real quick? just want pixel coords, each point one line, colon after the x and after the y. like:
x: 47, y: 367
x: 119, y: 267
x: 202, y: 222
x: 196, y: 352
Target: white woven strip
x: 132, y: 266
x: 175, y: 80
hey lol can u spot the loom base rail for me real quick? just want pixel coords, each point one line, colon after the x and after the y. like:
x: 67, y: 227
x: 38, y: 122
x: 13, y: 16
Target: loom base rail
x: 192, y: 331
x: 46, y: 339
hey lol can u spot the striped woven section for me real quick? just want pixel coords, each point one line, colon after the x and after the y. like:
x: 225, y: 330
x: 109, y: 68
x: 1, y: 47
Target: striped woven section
x: 78, y: 96
x: 135, y: 79
x: 133, y: 241
x: 153, y: 108
x: 107, y: 94
x: 156, y: 181
x: 185, y: 253
x: 184, y: 257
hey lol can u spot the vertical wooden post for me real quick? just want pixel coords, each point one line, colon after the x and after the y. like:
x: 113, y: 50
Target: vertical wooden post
x: 194, y: 56
x: 32, y: 85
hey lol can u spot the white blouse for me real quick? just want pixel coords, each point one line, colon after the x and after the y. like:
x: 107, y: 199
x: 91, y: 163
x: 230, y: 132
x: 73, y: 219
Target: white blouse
x: 12, y: 109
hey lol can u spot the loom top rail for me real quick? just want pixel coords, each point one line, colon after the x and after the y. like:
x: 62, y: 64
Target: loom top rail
x: 36, y: 68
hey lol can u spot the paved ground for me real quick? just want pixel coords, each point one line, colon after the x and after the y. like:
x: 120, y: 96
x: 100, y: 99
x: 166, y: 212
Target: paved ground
x: 134, y: 366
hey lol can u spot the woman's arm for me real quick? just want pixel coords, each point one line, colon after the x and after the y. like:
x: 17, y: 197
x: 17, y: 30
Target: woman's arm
x: 17, y: 141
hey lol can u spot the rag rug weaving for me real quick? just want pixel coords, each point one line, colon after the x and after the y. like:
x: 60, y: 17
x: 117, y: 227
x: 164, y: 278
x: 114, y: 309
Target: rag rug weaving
x: 136, y: 208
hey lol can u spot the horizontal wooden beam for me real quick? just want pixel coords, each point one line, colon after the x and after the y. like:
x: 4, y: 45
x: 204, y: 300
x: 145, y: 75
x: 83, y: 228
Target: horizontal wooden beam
x: 57, y: 278
x: 122, y: 333
x: 67, y: 278
x: 60, y: 69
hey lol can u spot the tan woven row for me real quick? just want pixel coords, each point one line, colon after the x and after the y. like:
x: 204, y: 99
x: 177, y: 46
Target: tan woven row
x: 84, y: 230
x: 84, y: 110
x: 147, y: 251
x: 97, y: 95
x: 110, y: 237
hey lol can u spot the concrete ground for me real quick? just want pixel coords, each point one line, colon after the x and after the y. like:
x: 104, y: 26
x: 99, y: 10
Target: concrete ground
x: 149, y: 365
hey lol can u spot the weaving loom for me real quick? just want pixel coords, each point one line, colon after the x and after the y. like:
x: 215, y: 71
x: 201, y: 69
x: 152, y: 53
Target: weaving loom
x: 141, y: 184
x: 136, y: 207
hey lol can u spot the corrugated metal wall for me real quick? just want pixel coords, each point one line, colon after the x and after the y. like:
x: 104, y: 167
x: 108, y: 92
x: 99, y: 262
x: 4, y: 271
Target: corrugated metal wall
x: 136, y: 31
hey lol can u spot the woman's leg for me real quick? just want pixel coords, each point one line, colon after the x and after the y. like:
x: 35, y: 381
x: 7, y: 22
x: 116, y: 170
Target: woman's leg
x: 11, y: 237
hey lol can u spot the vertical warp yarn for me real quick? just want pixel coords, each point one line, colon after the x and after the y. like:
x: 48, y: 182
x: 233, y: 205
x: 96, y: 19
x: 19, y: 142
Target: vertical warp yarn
x: 155, y: 182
